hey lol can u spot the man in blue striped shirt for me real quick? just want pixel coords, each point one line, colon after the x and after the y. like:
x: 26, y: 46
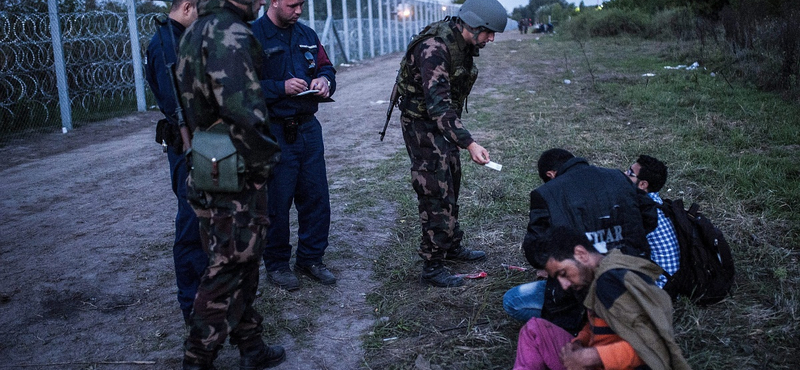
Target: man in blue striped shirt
x: 650, y: 174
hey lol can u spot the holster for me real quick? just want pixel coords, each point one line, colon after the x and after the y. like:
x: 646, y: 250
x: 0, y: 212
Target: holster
x: 290, y: 130
x: 168, y: 134
x: 291, y: 125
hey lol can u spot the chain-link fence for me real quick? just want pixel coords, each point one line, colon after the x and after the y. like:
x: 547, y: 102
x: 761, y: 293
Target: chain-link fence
x: 60, y: 70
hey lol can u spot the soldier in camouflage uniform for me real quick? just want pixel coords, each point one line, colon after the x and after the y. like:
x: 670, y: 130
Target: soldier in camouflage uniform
x: 436, y: 75
x: 218, y: 81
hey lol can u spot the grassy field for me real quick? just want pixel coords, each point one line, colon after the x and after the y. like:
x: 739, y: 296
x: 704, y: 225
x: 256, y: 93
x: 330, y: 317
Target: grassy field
x: 730, y: 148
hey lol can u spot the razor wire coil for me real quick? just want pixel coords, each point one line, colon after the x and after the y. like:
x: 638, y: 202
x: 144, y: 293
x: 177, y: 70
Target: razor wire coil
x: 96, y: 47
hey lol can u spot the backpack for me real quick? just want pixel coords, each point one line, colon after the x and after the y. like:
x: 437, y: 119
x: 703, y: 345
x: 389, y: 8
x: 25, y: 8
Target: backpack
x: 706, y: 271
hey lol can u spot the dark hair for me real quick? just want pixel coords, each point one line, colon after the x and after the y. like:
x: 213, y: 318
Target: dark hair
x: 551, y: 160
x: 532, y: 250
x: 559, y: 244
x: 653, y: 171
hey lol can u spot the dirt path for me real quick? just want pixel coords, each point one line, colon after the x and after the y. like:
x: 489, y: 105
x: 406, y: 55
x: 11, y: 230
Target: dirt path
x: 86, y: 225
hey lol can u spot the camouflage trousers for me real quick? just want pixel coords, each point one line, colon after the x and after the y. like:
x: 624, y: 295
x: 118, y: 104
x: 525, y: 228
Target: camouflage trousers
x: 436, y: 178
x: 233, y: 228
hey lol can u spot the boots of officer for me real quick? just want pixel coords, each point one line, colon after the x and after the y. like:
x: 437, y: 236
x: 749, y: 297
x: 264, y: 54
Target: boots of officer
x: 465, y: 255
x: 188, y: 365
x: 434, y: 273
x: 261, y: 356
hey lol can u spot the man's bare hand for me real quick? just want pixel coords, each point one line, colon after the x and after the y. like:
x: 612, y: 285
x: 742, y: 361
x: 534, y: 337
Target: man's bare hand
x: 478, y: 153
x: 186, y: 137
x: 321, y: 84
x: 295, y: 86
x: 574, y: 356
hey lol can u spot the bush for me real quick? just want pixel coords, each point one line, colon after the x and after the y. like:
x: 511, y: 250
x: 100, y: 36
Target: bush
x: 674, y: 23
x: 609, y: 22
x: 763, y: 44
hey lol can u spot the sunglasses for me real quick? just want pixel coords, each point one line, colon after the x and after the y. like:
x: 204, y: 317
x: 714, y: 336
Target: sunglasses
x: 312, y: 65
x: 630, y: 173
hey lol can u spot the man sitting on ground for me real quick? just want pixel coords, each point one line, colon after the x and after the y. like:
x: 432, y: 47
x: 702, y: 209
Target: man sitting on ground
x: 630, y: 319
x: 598, y: 201
x: 650, y: 174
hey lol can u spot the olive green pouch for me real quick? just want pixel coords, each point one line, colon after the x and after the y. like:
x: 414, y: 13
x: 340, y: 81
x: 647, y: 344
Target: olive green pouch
x: 216, y: 166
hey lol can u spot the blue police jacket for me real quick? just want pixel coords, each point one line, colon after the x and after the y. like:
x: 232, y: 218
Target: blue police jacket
x: 161, y: 52
x: 303, y: 57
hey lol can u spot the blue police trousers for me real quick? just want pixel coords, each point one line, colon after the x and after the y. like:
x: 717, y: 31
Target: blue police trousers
x: 300, y: 178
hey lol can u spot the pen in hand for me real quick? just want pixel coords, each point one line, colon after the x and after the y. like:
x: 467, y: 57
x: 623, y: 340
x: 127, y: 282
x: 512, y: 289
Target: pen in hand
x: 290, y: 74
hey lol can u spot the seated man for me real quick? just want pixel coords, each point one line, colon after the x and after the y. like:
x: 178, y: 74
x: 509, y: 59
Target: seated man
x: 650, y: 174
x: 630, y: 319
x: 598, y: 201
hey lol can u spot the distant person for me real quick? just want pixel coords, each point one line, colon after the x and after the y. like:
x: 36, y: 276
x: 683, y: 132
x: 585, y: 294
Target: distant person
x: 187, y: 251
x: 630, y: 319
x: 600, y: 202
x: 217, y: 75
x: 436, y: 75
x: 650, y: 175
x: 295, y: 62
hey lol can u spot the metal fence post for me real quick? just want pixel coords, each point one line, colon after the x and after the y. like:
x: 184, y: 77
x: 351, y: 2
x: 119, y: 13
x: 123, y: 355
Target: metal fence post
x: 371, y: 30
x: 360, y: 30
x: 58, y: 64
x: 389, y: 24
x: 381, y: 30
x: 417, y: 14
x: 405, y: 28
x: 346, y: 28
x: 327, y: 33
x: 136, y: 54
x: 396, y: 25
x: 311, y: 18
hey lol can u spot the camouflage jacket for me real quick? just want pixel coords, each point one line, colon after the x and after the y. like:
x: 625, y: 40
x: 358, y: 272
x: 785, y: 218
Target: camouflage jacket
x: 218, y: 60
x: 436, y: 75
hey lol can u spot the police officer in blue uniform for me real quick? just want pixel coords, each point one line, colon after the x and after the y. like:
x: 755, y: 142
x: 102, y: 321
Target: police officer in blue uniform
x: 189, y: 257
x: 296, y: 76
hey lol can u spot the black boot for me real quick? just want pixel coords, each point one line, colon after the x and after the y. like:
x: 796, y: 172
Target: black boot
x: 465, y: 255
x: 190, y: 365
x: 261, y: 357
x: 435, y: 274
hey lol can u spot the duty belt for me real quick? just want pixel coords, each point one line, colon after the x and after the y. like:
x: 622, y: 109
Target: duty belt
x: 297, y: 120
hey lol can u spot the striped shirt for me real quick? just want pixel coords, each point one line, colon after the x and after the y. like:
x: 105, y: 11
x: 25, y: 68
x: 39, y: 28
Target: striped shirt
x: 614, y: 352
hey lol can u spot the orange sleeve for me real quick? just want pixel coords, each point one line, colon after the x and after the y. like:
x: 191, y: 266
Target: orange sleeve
x: 618, y: 355
x: 583, y: 336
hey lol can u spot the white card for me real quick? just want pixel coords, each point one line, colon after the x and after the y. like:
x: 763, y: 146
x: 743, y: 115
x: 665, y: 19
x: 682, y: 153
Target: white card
x: 494, y: 166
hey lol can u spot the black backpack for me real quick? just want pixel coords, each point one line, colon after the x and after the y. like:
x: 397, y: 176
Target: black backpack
x: 706, y: 270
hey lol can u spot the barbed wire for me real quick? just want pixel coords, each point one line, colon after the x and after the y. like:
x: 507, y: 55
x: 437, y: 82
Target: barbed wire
x: 98, y: 62
x: 96, y: 49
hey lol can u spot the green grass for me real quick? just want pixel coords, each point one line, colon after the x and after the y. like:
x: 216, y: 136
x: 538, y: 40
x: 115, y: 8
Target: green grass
x: 732, y: 149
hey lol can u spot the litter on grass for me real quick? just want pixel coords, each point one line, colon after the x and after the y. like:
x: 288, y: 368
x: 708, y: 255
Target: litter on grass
x: 692, y: 67
x: 475, y: 275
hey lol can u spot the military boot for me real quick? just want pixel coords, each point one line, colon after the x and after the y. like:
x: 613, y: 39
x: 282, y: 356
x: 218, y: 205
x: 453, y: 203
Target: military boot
x: 434, y: 273
x: 465, y: 255
x: 261, y: 356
